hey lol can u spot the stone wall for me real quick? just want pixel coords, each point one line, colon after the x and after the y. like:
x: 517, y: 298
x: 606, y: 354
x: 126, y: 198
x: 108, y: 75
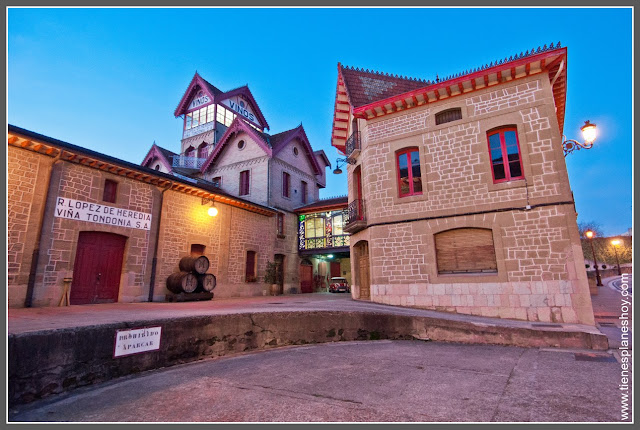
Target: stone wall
x: 540, y: 273
x: 28, y: 174
x: 60, y: 235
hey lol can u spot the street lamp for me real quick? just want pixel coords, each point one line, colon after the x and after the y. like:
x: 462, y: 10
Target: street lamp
x: 616, y: 244
x: 341, y: 162
x: 212, y: 211
x: 590, y: 235
x: 589, y: 135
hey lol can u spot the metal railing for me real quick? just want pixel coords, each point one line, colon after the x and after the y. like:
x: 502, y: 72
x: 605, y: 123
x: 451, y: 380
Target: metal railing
x: 188, y: 162
x: 353, y: 143
x: 355, y: 211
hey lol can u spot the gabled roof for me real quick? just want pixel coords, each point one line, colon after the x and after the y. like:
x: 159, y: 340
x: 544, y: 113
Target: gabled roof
x: 164, y: 155
x: 238, y: 125
x: 198, y: 82
x: 244, y: 90
x: 321, y: 153
x: 280, y: 140
x: 367, y: 94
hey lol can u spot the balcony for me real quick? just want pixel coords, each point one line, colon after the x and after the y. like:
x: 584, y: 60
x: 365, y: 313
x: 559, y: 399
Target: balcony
x: 356, y: 219
x: 352, y: 147
x: 188, y: 162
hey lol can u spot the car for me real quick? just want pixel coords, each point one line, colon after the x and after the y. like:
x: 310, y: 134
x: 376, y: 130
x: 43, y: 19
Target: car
x: 339, y: 284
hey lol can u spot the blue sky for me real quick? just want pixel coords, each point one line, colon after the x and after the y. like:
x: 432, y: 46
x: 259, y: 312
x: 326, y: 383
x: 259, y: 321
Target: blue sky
x: 110, y: 79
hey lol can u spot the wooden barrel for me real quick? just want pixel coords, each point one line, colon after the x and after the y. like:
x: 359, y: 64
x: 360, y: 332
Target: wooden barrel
x: 198, y: 265
x: 179, y: 282
x: 206, y: 282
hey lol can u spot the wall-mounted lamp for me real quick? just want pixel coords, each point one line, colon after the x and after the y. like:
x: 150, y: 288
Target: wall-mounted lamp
x: 341, y: 162
x: 212, y: 211
x: 589, y: 135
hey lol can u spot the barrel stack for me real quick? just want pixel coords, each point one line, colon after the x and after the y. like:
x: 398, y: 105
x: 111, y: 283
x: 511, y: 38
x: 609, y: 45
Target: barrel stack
x: 191, y: 282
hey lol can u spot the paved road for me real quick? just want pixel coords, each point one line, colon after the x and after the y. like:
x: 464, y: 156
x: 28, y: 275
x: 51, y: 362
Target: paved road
x: 405, y: 381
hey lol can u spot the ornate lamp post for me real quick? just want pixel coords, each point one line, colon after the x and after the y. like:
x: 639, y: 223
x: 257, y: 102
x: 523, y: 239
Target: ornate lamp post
x: 590, y: 235
x: 616, y: 244
x: 589, y: 135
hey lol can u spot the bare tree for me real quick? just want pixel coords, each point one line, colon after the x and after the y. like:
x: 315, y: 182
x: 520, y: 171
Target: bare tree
x: 590, y: 225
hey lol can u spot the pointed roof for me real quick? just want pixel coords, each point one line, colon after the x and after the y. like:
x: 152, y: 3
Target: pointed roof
x: 364, y: 86
x: 368, y: 94
x: 280, y: 140
x: 164, y: 155
x: 198, y: 82
x: 244, y: 91
x: 238, y: 125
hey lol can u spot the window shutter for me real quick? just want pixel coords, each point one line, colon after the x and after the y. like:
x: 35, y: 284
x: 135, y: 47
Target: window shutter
x: 251, y: 264
x: 465, y: 250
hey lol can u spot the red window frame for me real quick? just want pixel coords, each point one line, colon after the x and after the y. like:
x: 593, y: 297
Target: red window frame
x: 505, y: 158
x: 244, y: 183
x: 286, y: 184
x: 304, y: 192
x: 407, y: 153
x: 110, y: 191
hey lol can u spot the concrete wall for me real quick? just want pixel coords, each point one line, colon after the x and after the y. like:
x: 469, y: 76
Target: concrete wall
x: 50, y: 362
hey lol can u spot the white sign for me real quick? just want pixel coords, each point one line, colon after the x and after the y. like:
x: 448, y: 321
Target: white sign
x: 136, y: 340
x: 101, y: 214
x: 199, y: 101
x: 199, y: 129
x: 237, y: 105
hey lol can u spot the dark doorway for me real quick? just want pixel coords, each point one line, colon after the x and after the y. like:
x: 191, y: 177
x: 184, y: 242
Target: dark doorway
x: 279, y: 260
x: 97, y: 268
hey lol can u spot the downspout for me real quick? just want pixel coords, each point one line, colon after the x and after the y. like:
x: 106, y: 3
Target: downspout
x: 28, y: 301
x: 154, y: 262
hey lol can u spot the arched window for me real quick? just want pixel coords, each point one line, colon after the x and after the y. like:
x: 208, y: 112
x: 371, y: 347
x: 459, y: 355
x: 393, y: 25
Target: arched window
x: 504, y: 149
x: 409, y: 176
x: 448, y: 115
x: 465, y: 250
x: 202, y: 150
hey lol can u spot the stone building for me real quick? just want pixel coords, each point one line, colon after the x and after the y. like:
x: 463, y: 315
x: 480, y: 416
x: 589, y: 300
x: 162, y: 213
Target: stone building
x: 112, y: 231
x: 459, y: 198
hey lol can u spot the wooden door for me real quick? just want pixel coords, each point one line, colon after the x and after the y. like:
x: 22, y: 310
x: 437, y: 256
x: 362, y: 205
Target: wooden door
x: 335, y: 269
x: 363, y: 270
x: 306, y: 278
x: 97, y: 268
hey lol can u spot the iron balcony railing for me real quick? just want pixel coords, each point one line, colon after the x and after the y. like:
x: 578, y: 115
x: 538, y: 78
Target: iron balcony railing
x: 355, y: 211
x: 326, y: 242
x: 353, y: 143
x: 188, y: 162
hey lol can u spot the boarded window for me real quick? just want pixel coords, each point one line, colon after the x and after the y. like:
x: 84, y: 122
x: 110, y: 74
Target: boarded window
x: 250, y: 271
x: 448, y: 115
x: 244, y: 183
x: 110, y: 190
x: 286, y: 184
x: 465, y: 250
x: 280, y: 224
x: 304, y: 192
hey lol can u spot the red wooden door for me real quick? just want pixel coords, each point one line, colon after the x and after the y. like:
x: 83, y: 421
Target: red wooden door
x: 97, y: 268
x: 335, y: 269
x: 306, y: 278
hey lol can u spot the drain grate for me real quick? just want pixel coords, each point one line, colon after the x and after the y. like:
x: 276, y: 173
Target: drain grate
x: 276, y: 303
x: 607, y: 324
x: 545, y: 325
x: 594, y: 357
